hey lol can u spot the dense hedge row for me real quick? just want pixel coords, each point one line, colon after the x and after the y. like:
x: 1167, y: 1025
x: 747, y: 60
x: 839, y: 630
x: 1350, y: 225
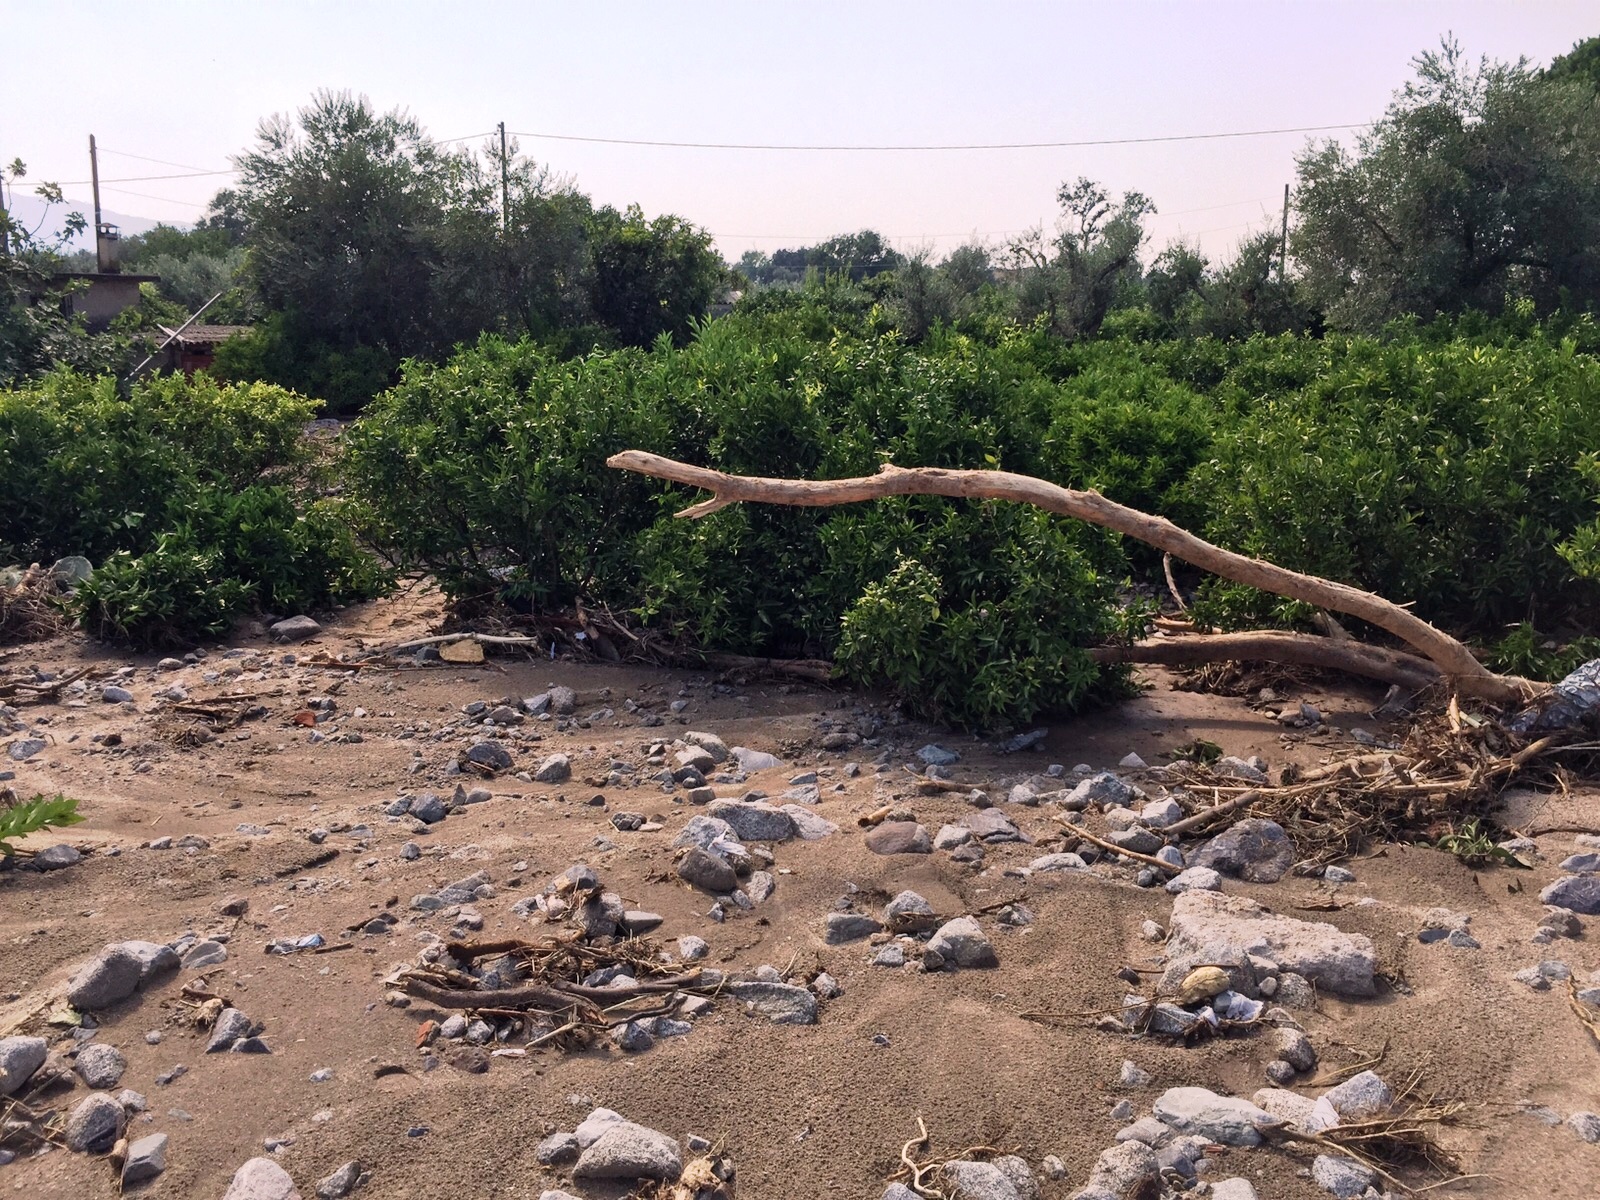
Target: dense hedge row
x: 1450, y: 467
x: 183, y: 495
x: 1441, y: 471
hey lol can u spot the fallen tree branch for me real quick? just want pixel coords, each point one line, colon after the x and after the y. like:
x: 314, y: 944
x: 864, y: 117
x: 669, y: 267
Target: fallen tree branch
x: 1080, y: 831
x: 1455, y: 663
x: 1309, y: 650
x: 1215, y: 812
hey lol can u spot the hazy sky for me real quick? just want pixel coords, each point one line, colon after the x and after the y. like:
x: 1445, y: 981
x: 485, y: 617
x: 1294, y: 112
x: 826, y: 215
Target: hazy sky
x: 187, y: 82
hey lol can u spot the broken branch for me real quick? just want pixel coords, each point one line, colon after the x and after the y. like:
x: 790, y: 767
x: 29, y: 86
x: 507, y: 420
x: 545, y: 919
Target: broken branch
x: 1454, y: 662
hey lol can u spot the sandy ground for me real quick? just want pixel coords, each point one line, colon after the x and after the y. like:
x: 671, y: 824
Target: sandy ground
x: 804, y: 1111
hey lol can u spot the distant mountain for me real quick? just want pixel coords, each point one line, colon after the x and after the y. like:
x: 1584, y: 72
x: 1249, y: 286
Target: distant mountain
x: 28, y: 211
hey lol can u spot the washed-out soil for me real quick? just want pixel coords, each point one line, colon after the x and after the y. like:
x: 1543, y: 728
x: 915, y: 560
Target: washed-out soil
x: 803, y: 1111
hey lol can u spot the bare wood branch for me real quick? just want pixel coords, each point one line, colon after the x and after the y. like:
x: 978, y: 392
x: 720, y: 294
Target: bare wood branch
x: 1453, y: 660
x: 1310, y: 650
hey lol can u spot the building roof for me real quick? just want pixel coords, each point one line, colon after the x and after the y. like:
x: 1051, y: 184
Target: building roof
x: 206, y: 335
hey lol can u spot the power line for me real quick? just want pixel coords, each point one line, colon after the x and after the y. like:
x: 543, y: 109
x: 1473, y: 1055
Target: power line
x: 147, y: 158
x: 1137, y: 141
x: 145, y: 178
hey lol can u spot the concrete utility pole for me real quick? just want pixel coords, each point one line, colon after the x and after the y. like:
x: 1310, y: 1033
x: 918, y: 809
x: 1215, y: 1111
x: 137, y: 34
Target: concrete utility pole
x: 505, y: 183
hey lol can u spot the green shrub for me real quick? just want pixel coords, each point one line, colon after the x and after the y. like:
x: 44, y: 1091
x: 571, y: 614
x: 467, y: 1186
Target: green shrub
x: 85, y: 471
x: 1442, y: 475
x: 164, y: 491
x: 19, y: 818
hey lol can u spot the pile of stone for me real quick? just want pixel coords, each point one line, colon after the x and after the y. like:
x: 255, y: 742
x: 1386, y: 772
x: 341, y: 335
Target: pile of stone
x: 607, y: 1149
x: 1171, y: 1143
x: 911, y: 932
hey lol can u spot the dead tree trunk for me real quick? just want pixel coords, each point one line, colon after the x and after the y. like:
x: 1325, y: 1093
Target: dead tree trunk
x: 1443, y: 658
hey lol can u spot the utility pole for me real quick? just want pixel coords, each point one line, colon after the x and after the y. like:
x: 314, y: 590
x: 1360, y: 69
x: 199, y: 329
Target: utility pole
x: 94, y: 175
x: 505, y: 183
x: 1283, y: 243
x: 5, y: 224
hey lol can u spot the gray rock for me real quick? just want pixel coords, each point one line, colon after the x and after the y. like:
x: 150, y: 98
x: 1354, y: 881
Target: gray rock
x: 1360, y: 1096
x: 556, y: 1149
x: 1586, y: 1125
x: 94, y: 1124
x: 261, y: 1179
x: 205, y: 954
x: 780, y: 1003
x: 963, y: 943
x: 100, y: 1066
x: 751, y: 761
x: 154, y: 958
x: 112, y: 694
x: 1579, y: 893
x: 624, y: 1150
x: 557, y: 1194
x: 842, y: 927
x: 951, y: 836
x: 810, y: 826
x: 1211, y: 927
x: 1295, y: 1049
x: 978, y: 1181
x: 938, y: 756
x: 557, y: 768
x: 1131, y: 1075
x: 899, y: 1191
x: 1225, y: 1119
x: 1202, y: 879
x: 891, y: 955
x: 340, y: 1182
x: 1587, y: 863
x: 1151, y: 1132
x: 1058, y: 862
x: 429, y: 808
x: 23, y: 749
x: 992, y: 825
x: 1233, y: 1189
x: 702, y: 869
x: 1254, y: 849
x: 1344, y: 1177
x: 147, y: 1158
x: 231, y: 1025
x: 899, y: 837
x: 55, y: 858
x: 1287, y: 1106
x: 710, y: 743
x: 1238, y: 768
x: 755, y: 822
x: 1158, y: 814
x: 490, y: 754
x: 1098, y: 790
x: 636, y: 921
x: 635, y: 1037
x: 20, y: 1057
x: 702, y: 831
x: 1126, y: 1169
x: 760, y: 886
x: 1338, y: 875
x: 108, y: 977
x: 1136, y: 839
x: 296, y: 629
x: 909, y: 911
x: 692, y: 949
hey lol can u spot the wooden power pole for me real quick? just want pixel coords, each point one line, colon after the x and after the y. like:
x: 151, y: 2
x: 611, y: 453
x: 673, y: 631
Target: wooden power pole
x: 505, y: 183
x: 1283, y: 241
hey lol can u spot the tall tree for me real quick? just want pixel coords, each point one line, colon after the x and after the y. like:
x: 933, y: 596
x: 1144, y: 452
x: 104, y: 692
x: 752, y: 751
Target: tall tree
x: 1072, y: 280
x: 1481, y: 180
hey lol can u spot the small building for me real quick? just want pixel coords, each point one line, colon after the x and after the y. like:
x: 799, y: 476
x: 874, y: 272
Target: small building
x: 195, y: 349
x: 107, y: 294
